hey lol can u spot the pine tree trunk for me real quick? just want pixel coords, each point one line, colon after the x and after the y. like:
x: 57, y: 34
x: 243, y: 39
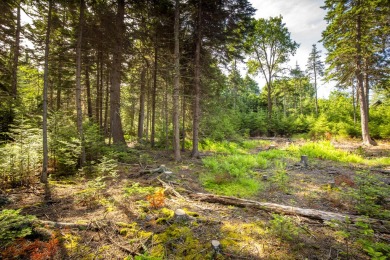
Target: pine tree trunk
x: 183, y: 130
x: 360, y: 85
x: 367, y: 89
x: 89, y: 98
x: 98, y: 95
x: 106, y: 107
x: 154, y: 93
x: 176, y: 86
x: 101, y: 91
x: 59, y: 86
x: 45, y: 87
x: 115, y: 99
x: 16, y: 54
x: 196, y: 111
x: 141, y: 115
x: 353, y: 102
x: 315, y: 86
x: 78, y: 83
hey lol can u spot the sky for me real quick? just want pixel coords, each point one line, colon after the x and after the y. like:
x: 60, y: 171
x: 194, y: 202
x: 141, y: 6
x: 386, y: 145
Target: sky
x: 305, y: 21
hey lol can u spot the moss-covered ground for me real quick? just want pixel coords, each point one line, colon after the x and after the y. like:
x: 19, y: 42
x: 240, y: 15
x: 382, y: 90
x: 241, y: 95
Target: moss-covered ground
x: 132, y: 215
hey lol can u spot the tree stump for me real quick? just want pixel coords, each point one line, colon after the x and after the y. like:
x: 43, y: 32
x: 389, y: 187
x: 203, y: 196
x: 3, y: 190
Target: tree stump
x: 304, y: 160
x: 216, y: 245
x: 180, y: 215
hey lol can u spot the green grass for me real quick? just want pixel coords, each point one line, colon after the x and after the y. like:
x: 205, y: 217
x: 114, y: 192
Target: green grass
x: 275, y: 154
x: 233, y: 174
x: 326, y: 151
x: 236, y: 165
x: 239, y: 187
x: 226, y: 147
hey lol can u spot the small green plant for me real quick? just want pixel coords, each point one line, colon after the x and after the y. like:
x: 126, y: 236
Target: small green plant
x: 283, y: 227
x: 280, y: 178
x: 91, y: 196
x: 360, y: 234
x: 366, y: 239
x: 20, y: 159
x: 233, y: 174
x: 13, y: 226
x: 369, y: 194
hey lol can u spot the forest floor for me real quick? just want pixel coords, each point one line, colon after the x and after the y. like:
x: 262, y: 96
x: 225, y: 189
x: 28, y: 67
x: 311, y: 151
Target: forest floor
x: 132, y: 215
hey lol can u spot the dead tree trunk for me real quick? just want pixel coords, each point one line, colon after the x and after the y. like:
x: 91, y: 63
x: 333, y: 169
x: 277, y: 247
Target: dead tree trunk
x: 380, y: 225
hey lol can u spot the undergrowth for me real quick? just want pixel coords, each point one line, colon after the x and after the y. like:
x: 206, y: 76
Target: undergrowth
x: 326, y: 151
x: 233, y: 175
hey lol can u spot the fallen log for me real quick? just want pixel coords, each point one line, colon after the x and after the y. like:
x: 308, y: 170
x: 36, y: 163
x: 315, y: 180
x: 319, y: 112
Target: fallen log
x: 382, y: 226
x: 160, y: 169
x: 57, y: 224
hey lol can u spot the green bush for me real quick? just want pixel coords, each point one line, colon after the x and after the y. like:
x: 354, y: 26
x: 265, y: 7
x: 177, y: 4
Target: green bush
x: 64, y: 143
x: 13, y: 226
x: 283, y: 227
x: 255, y: 122
x: 21, y: 158
x: 369, y: 194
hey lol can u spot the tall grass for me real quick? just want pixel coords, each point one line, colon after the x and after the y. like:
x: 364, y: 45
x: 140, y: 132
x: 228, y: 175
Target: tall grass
x: 226, y: 147
x: 326, y: 151
x: 233, y: 174
x: 236, y: 165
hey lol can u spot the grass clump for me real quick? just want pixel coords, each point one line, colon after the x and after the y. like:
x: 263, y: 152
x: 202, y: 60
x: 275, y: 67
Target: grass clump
x: 326, y: 151
x: 240, y: 187
x: 274, y: 154
x: 226, y: 147
x: 233, y: 175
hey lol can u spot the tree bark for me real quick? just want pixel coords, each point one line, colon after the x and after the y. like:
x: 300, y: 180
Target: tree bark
x: 88, y: 87
x: 183, y: 130
x: 115, y: 99
x: 360, y: 85
x: 141, y: 115
x: 197, y: 72
x: 98, y: 94
x: 269, y: 97
x: 154, y: 92
x: 106, y: 107
x: 176, y: 86
x: 16, y: 54
x: 59, y: 86
x: 78, y: 82
x: 353, y: 102
x: 315, y: 84
x: 43, y: 177
x: 101, y: 90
